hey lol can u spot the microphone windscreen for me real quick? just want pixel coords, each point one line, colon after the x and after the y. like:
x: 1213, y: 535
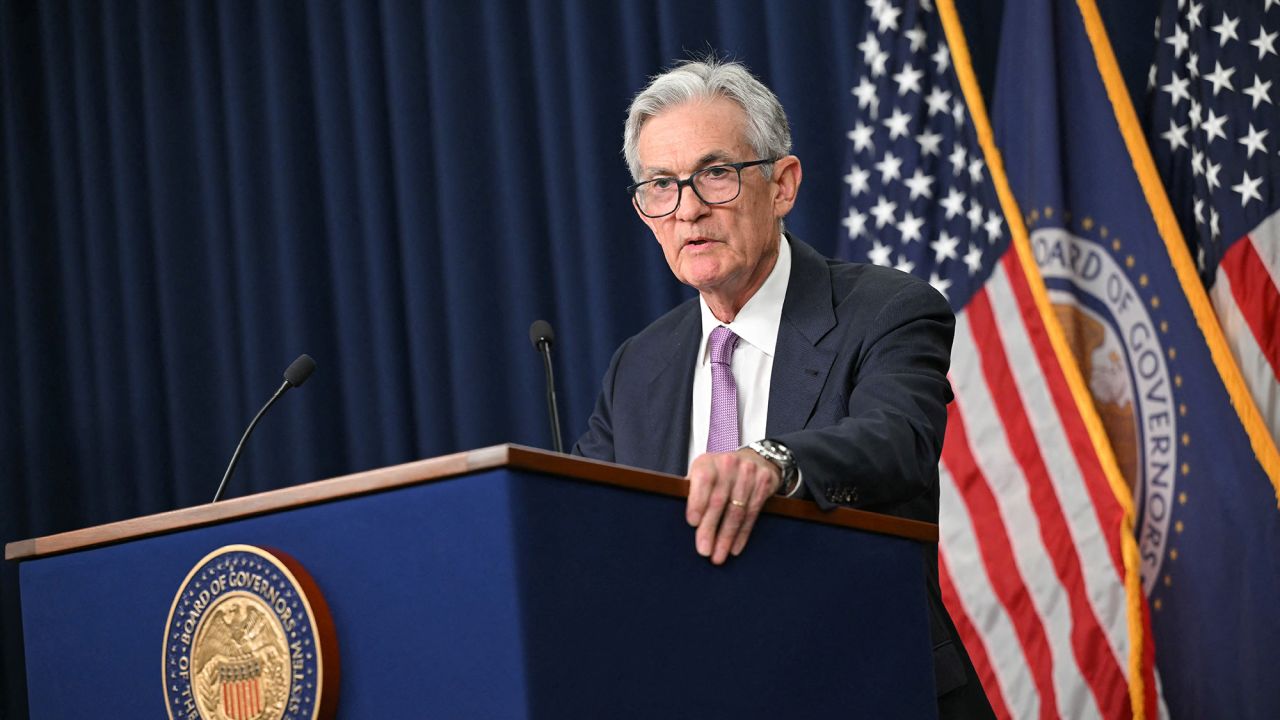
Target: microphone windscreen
x: 300, y: 370
x: 539, y: 331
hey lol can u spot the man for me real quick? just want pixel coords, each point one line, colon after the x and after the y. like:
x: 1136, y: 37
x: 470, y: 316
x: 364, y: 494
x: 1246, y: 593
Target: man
x: 790, y: 374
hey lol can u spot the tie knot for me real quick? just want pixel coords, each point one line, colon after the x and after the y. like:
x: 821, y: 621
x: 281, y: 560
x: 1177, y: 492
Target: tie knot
x: 723, y: 341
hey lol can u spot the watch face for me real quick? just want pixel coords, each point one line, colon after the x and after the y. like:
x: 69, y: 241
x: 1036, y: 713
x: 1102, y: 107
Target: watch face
x: 778, y: 451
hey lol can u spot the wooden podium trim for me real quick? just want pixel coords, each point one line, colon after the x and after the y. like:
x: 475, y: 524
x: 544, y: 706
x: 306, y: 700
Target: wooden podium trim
x: 445, y: 467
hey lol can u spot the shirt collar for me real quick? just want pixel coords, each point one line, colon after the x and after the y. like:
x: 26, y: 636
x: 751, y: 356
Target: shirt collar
x: 757, y: 322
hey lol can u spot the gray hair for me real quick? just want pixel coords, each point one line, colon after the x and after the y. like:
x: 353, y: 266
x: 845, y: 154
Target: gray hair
x: 768, y: 131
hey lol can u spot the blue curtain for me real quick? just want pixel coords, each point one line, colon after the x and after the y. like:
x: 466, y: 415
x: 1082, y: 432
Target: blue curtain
x: 195, y: 193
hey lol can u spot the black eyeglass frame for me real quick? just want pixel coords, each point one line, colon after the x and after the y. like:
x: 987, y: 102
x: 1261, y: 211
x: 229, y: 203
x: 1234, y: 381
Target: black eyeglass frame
x: 688, y: 182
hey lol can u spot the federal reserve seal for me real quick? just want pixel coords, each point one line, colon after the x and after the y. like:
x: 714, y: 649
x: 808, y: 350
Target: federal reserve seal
x: 249, y: 637
x: 1112, y: 322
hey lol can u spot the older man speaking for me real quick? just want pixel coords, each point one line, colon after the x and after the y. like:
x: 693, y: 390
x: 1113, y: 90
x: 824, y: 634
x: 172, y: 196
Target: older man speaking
x: 790, y: 374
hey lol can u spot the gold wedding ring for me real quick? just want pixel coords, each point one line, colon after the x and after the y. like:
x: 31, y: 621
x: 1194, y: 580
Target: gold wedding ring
x: 737, y: 503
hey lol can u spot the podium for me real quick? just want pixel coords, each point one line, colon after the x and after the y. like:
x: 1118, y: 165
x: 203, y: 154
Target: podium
x: 509, y: 582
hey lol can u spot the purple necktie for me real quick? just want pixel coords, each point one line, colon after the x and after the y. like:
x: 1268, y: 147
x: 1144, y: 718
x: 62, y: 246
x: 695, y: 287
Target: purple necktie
x: 723, y: 433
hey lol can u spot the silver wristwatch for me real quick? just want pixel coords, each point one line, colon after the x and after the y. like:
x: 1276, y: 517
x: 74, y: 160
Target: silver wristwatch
x: 780, y: 455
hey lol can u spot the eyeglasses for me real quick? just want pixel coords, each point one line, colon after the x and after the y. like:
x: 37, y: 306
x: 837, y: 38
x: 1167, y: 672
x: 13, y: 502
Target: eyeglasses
x: 715, y: 185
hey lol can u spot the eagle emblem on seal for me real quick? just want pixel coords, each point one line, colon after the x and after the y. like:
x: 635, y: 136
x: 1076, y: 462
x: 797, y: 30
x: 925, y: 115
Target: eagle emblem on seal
x: 240, y: 662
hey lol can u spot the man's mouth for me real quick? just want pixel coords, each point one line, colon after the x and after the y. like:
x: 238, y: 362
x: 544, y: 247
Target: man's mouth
x: 698, y: 241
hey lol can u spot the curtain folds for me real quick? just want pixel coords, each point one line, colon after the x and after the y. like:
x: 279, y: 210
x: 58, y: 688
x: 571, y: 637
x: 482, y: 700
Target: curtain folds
x: 195, y: 193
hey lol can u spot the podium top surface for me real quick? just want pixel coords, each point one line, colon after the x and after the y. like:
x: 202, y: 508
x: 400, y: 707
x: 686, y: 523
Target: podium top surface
x: 513, y: 457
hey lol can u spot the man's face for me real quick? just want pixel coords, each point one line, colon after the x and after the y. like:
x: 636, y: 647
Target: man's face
x: 725, y: 250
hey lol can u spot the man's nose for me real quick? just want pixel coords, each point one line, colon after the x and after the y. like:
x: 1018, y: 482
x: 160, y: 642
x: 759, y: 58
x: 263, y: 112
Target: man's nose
x: 691, y: 206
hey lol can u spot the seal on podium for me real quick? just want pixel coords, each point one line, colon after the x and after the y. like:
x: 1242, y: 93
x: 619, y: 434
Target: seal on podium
x: 249, y: 637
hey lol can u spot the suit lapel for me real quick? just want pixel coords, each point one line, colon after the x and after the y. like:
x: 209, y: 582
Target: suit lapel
x: 800, y: 367
x: 671, y: 395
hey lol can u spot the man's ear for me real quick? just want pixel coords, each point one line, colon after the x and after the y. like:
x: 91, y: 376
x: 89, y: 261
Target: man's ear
x: 786, y: 181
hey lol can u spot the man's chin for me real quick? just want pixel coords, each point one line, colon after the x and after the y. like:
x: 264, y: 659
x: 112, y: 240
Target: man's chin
x: 703, y: 282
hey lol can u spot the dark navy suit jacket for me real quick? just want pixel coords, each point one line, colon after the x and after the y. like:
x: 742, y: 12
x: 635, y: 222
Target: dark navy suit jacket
x: 858, y: 392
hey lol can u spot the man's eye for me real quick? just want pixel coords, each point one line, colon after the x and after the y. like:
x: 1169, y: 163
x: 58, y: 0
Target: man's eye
x: 663, y: 183
x: 717, y: 173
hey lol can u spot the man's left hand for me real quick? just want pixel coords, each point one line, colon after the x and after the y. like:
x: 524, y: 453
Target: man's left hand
x: 726, y: 492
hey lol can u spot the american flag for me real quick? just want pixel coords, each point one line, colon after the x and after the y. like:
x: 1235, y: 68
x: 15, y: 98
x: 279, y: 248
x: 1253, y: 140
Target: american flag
x: 1215, y: 135
x: 1033, y: 537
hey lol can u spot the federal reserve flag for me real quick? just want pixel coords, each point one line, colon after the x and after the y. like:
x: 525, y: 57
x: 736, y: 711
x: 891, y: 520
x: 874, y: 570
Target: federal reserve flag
x: 1038, y: 561
x: 1188, y: 439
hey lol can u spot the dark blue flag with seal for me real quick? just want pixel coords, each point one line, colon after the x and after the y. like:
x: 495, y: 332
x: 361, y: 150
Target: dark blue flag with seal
x: 1189, y: 441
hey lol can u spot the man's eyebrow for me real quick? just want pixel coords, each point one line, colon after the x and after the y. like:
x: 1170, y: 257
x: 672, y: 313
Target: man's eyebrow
x: 715, y: 157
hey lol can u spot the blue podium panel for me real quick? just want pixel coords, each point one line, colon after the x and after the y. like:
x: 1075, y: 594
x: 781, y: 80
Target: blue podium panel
x: 511, y: 594
x: 622, y: 618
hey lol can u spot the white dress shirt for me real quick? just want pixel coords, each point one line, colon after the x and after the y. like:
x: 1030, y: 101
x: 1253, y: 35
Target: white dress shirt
x: 757, y: 325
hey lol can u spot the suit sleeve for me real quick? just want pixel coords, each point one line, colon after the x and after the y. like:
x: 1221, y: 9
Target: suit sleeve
x: 883, y: 453
x: 597, y: 442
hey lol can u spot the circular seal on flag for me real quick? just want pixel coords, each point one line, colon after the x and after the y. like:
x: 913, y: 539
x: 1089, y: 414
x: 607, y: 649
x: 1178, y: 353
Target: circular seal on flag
x: 249, y: 637
x: 1110, y: 320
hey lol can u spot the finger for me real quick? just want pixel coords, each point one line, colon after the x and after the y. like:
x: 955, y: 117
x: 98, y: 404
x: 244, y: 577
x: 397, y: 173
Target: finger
x: 765, y: 484
x: 705, y: 537
x: 702, y: 477
x: 717, y: 502
x: 741, y: 499
x: 758, y: 499
x: 728, y: 534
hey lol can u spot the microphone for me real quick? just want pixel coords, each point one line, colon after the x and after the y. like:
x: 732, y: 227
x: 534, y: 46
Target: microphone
x: 296, y: 374
x: 541, y: 335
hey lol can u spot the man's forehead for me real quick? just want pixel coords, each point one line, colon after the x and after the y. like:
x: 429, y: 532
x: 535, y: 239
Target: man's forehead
x: 692, y: 135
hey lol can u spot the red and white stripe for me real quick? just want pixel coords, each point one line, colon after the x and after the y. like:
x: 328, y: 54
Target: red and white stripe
x: 1247, y: 302
x: 242, y: 699
x: 1031, y: 565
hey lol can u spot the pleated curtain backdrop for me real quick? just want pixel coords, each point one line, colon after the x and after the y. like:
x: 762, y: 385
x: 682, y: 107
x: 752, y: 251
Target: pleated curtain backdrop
x: 194, y: 193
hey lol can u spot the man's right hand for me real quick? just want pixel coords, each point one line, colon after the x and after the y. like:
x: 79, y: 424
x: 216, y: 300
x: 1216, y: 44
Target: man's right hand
x: 726, y: 492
